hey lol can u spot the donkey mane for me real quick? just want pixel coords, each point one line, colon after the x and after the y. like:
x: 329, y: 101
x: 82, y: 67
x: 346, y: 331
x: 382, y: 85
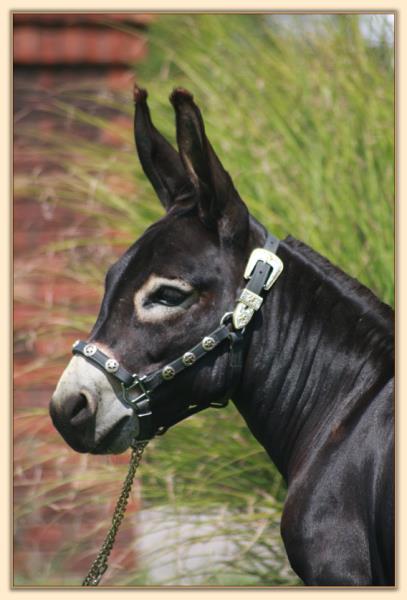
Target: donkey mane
x: 347, y: 288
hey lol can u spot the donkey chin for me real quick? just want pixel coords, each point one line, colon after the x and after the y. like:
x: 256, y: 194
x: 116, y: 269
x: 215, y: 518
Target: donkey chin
x: 87, y: 411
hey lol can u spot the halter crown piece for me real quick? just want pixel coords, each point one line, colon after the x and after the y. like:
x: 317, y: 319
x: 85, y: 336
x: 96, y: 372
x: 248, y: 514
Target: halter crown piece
x: 262, y: 270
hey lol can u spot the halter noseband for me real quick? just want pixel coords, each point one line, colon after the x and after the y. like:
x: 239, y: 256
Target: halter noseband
x: 262, y: 270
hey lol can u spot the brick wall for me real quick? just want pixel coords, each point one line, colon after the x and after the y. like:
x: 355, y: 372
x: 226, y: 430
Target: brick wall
x: 53, y: 53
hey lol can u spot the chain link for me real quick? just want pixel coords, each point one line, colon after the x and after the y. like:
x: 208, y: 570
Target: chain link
x: 99, y: 565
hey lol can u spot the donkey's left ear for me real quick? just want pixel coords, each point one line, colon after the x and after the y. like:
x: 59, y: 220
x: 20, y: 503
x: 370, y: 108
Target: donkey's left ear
x: 219, y: 202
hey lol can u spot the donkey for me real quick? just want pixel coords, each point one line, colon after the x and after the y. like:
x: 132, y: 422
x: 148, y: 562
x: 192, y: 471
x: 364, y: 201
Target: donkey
x: 308, y: 362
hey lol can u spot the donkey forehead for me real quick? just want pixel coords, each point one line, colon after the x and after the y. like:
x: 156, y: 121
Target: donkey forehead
x: 171, y: 248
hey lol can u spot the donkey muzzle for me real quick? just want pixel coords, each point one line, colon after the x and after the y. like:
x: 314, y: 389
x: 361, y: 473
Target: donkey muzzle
x: 88, y: 412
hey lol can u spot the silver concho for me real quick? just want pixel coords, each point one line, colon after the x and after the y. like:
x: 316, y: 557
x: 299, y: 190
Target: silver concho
x: 167, y: 372
x: 208, y: 343
x: 89, y: 350
x: 111, y: 365
x: 188, y: 359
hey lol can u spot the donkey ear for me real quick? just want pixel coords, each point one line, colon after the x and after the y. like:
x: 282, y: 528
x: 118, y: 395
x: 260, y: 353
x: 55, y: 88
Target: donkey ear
x: 219, y: 201
x: 160, y: 161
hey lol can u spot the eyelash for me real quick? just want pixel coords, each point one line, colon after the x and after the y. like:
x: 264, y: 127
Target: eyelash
x: 168, y: 296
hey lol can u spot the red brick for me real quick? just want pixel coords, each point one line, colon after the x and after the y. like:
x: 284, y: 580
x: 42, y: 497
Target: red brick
x: 41, y: 357
x: 45, y: 536
x: 75, y: 18
x: 76, y: 45
x: 46, y: 80
x: 73, y: 45
x: 119, y: 78
x: 24, y: 311
x: 116, y: 134
x: 26, y: 44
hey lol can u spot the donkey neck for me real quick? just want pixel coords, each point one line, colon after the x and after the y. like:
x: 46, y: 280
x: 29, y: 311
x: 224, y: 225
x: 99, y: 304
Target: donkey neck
x: 319, y: 337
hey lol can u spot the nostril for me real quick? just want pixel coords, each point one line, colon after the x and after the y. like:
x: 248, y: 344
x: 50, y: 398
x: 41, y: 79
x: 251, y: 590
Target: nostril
x: 81, y: 405
x: 82, y: 409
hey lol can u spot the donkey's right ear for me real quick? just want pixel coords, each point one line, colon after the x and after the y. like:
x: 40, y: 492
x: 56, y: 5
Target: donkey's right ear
x: 160, y: 161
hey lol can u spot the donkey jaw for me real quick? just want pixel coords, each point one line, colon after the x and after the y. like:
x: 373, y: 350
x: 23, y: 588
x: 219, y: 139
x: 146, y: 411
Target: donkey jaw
x: 88, y: 413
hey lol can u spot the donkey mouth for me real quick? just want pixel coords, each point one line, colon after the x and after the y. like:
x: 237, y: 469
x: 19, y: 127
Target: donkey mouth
x: 107, y: 438
x: 117, y: 439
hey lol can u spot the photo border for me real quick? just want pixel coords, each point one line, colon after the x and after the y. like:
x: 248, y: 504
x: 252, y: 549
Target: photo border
x: 300, y: 6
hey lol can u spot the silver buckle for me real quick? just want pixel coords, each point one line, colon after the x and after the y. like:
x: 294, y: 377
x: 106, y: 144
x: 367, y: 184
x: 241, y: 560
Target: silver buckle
x: 268, y: 257
x: 138, y: 382
x: 249, y: 302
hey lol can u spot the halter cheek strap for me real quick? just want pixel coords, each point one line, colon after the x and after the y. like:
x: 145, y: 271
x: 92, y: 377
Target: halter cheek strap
x: 262, y: 270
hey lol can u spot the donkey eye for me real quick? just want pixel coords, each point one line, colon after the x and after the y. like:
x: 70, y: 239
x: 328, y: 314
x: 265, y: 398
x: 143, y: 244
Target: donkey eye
x: 161, y: 298
x: 168, y: 296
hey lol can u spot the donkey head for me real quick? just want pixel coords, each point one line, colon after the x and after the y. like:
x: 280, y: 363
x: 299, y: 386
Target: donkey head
x: 168, y: 289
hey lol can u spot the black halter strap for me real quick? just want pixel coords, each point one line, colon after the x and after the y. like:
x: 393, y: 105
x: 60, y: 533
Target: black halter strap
x: 262, y: 270
x: 271, y: 243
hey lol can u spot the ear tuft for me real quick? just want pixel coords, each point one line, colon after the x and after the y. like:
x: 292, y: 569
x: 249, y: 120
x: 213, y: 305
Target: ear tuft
x: 180, y: 94
x: 139, y: 94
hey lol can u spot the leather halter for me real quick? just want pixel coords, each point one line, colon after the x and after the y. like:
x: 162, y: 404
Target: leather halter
x: 262, y: 270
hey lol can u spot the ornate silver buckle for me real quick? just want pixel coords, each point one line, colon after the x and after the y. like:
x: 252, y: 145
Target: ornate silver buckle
x: 249, y: 302
x: 268, y: 257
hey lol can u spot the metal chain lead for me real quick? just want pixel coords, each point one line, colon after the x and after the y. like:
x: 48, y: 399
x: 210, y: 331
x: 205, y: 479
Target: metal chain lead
x: 99, y: 565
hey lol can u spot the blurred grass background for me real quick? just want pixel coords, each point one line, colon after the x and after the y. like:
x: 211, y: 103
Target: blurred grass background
x: 301, y: 113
